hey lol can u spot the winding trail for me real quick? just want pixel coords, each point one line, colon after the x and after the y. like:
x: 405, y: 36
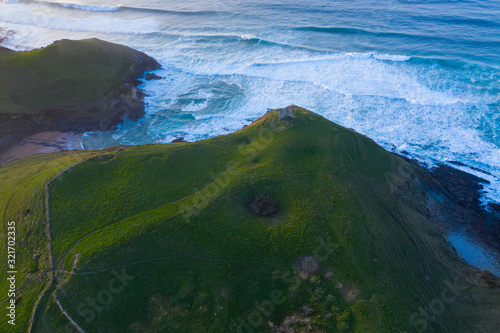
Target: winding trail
x: 51, y: 258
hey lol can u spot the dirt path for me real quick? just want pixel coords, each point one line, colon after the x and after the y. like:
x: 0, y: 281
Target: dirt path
x: 51, y: 259
x: 67, y: 315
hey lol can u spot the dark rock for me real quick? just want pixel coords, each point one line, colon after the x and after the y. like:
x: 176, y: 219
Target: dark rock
x: 264, y: 205
x: 490, y: 279
x: 181, y: 139
x: 152, y: 76
x: 463, y: 187
x: 470, y: 167
x: 454, y: 203
x: 494, y: 206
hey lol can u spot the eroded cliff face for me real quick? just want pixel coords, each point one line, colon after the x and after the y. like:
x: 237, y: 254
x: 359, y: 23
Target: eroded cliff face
x: 124, y: 101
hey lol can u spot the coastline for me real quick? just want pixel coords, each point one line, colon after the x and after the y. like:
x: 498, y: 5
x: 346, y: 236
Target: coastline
x: 454, y: 204
x: 456, y: 209
x: 42, y: 143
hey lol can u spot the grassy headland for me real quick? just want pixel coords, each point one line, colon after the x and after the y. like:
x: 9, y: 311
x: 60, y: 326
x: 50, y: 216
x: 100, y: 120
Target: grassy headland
x: 69, y: 86
x: 171, y: 238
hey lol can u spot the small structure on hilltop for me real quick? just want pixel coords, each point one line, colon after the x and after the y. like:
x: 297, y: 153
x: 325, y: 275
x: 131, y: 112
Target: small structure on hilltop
x: 286, y: 113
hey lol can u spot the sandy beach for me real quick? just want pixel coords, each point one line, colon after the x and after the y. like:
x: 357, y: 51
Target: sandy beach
x: 43, y: 142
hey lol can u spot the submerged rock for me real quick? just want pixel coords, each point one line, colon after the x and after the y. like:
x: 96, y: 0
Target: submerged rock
x: 152, y: 76
x: 181, y: 139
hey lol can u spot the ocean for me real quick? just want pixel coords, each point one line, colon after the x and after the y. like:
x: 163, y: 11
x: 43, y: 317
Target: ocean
x: 419, y: 77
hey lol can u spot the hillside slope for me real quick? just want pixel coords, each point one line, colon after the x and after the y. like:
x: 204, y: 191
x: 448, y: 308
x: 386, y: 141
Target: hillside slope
x: 69, y: 86
x: 292, y: 225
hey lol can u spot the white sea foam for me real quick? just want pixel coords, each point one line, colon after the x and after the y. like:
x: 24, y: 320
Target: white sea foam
x: 347, y: 73
x: 42, y: 16
x: 92, y: 8
x: 247, y: 36
x: 200, y: 101
x: 195, y: 106
x: 356, y: 75
x: 88, y: 7
x: 391, y: 57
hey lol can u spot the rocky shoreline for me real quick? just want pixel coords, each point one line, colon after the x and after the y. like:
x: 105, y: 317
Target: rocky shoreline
x: 454, y: 204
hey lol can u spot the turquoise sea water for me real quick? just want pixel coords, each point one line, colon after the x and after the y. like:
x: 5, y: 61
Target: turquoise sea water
x: 421, y: 77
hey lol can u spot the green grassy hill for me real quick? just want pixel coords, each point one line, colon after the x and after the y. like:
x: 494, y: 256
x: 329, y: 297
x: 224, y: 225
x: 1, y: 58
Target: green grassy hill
x: 69, y: 85
x: 295, y: 225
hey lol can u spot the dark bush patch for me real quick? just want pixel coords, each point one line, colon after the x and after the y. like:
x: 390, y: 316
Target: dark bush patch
x: 264, y: 205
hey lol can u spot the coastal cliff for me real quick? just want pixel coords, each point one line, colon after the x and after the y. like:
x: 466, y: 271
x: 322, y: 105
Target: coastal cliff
x: 78, y: 86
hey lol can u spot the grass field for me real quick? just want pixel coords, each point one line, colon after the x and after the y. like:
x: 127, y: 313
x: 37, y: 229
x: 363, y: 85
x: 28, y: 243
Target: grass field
x: 160, y: 238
